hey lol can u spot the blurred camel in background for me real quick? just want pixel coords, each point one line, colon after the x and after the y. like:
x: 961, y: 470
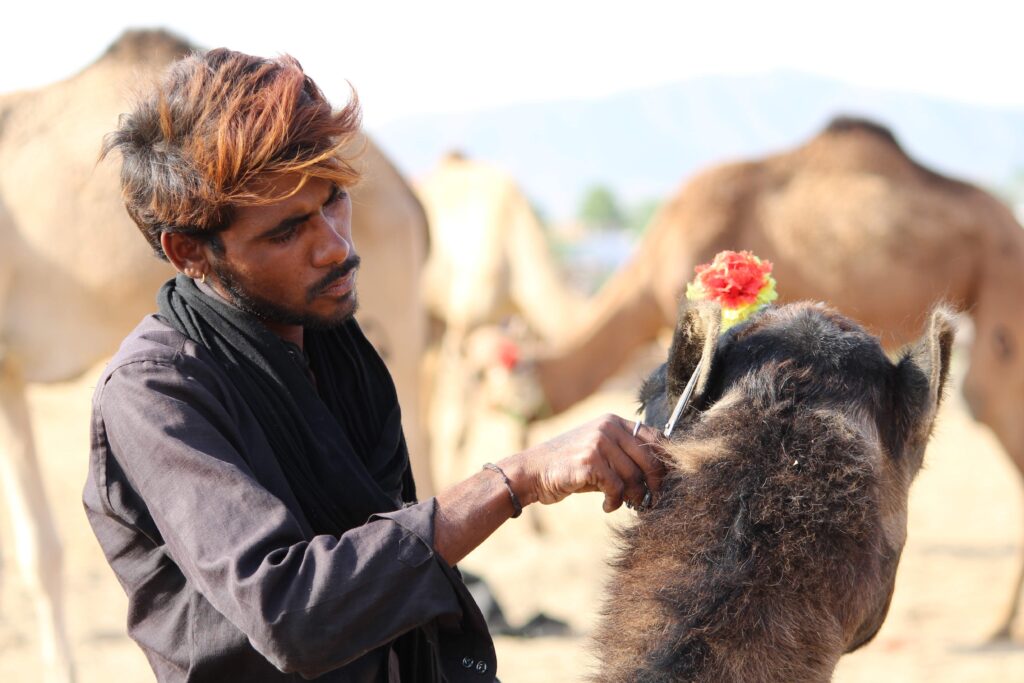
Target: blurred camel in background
x: 849, y: 219
x: 489, y: 262
x: 489, y: 257
x: 75, y: 277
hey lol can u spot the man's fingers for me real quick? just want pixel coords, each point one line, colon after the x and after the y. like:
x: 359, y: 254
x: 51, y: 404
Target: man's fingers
x: 632, y: 476
x: 605, y: 456
x: 643, y: 450
x: 653, y: 451
x: 609, y: 483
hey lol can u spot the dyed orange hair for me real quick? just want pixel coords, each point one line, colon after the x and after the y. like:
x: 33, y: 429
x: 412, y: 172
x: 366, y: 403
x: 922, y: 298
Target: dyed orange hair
x: 217, y: 121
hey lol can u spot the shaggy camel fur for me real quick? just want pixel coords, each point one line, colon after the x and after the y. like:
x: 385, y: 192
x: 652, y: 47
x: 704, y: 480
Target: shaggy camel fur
x: 773, y: 548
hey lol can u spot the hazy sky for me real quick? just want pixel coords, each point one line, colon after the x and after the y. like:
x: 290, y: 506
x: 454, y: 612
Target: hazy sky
x: 412, y: 57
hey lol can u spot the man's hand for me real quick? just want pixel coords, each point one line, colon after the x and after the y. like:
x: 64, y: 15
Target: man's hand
x: 602, y: 455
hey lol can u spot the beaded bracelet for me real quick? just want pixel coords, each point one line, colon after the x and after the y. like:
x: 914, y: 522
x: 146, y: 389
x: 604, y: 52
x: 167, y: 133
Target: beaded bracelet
x: 508, y: 484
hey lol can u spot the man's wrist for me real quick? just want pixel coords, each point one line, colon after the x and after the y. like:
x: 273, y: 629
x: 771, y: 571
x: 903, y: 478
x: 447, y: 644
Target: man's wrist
x: 517, y: 507
x: 520, y: 477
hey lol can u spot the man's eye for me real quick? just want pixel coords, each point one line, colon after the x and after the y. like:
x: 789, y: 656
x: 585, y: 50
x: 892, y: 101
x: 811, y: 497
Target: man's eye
x: 337, y: 194
x: 285, y: 236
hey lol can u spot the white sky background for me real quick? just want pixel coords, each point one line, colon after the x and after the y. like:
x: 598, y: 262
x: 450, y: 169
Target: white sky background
x: 408, y: 58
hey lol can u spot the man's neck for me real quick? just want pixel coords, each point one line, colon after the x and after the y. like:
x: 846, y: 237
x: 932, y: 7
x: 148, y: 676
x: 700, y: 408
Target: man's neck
x: 290, y: 333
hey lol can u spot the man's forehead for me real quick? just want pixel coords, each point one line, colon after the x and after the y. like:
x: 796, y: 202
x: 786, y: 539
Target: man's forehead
x: 281, y: 197
x: 279, y: 185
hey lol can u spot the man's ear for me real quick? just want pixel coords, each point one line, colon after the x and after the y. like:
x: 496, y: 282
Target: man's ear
x: 695, y: 338
x: 921, y: 374
x: 185, y: 252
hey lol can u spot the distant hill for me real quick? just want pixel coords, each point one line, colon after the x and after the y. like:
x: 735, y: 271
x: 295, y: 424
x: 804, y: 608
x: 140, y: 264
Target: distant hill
x: 645, y: 143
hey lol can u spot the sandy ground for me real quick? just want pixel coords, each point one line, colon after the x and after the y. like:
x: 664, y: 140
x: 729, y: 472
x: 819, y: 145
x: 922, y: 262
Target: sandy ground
x: 960, y: 561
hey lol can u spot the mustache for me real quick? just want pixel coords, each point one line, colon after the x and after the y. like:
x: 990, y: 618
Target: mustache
x: 336, y: 273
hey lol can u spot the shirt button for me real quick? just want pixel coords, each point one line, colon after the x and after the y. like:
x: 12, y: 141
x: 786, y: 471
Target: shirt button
x: 481, y: 667
x: 468, y: 662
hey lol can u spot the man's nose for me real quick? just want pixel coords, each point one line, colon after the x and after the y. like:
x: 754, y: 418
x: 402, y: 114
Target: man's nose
x: 334, y: 243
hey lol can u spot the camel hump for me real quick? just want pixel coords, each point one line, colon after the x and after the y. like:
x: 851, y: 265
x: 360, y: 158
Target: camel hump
x: 454, y: 154
x: 146, y: 45
x: 841, y: 125
x: 866, y: 129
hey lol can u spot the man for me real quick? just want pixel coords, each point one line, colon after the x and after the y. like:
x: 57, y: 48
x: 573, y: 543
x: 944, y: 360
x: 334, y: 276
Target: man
x: 249, y: 481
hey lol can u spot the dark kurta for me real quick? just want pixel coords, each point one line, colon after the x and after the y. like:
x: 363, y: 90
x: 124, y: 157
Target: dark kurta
x: 225, y: 579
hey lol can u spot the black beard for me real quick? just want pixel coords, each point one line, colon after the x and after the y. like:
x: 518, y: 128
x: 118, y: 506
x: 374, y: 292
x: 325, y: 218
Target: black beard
x: 269, y: 311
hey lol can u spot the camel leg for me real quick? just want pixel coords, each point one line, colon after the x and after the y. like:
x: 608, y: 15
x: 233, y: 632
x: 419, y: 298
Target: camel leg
x: 448, y: 412
x: 405, y: 363
x: 992, y: 390
x: 1004, y: 631
x: 37, y: 548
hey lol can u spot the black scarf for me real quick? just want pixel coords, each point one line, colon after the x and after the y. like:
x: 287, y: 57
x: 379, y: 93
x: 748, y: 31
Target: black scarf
x: 342, y: 451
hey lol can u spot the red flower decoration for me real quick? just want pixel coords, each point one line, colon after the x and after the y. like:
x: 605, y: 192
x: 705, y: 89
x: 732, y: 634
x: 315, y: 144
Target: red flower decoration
x: 733, y: 279
x: 508, y: 354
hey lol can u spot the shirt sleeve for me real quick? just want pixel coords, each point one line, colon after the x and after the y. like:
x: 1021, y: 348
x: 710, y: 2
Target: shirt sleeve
x: 308, y: 605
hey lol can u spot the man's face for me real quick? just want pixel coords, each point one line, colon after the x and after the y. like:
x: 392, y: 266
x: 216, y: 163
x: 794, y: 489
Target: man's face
x: 291, y: 263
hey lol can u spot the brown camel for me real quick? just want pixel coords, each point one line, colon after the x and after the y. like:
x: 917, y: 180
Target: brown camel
x: 847, y: 218
x: 489, y: 257
x: 75, y: 277
x: 773, y: 548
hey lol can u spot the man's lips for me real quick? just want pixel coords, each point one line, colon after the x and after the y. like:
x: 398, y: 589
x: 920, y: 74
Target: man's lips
x: 342, y: 286
x: 338, y: 282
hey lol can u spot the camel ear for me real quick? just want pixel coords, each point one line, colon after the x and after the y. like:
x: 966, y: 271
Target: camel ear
x: 921, y: 378
x: 695, y: 338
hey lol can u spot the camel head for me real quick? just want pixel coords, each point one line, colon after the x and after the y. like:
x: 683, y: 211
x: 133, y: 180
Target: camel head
x: 773, y: 547
x: 834, y: 358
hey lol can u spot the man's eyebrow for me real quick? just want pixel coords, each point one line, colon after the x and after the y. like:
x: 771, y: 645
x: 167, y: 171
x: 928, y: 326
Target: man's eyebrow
x: 286, y: 224
x: 291, y: 222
